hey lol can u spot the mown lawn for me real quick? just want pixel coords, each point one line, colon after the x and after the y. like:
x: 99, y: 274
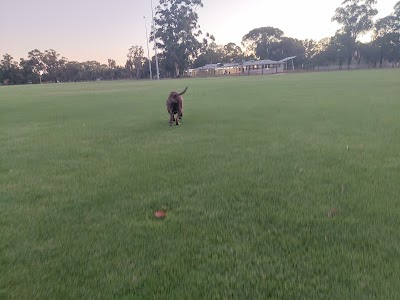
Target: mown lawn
x: 284, y: 187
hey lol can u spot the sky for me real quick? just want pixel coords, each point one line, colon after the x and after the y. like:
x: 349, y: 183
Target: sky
x: 84, y: 30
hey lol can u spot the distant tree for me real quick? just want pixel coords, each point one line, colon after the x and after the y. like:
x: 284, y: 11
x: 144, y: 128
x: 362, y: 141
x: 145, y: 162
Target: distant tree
x: 280, y: 49
x: 72, y: 71
x: 292, y: 47
x: 121, y: 73
x: 370, y: 52
x: 51, y: 67
x: 36, y: 63
x: 10, y: 71
x: 387, y: 36
x: 91, y: 70
x: 26, y: 71
x: 110, y: 71
x: 53, y: 64
x: 176, y: 33
x: 270, y: 43
x: 386, y: 25
x: 355, y: 16
x: 210, y: 52
x: 397, y: 9
x: 129, y: 67
x: 389, y: 47
x: 345, y: 48
x: 233, y: 53
x: 111, y: 64
x: 325, y: 52
x: 213, y: 55
x: 207, y: 40
x: 335, y: 50
x: 161, y: 64
x: 8, y: 62
x: 258, y: 39
x: 310, y: 50
x: 200, y: 61
x: 136, y: 59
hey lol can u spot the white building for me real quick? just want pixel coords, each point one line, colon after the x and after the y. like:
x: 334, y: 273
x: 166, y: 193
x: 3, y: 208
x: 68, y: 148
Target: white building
x: 252, y: 67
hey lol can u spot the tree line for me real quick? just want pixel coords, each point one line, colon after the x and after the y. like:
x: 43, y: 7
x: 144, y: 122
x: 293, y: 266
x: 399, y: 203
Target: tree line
x: 50, y: 66
x: 183, y: 45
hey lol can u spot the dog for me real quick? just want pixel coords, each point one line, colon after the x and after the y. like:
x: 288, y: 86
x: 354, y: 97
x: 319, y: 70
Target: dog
x: 175, y: 107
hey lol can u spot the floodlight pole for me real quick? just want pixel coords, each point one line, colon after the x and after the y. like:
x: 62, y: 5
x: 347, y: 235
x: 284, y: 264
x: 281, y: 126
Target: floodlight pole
x: 154, y: 37
x: 148, y: 51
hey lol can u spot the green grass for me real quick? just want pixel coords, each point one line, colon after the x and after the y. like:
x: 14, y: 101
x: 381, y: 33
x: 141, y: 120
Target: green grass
x: 248, y: 180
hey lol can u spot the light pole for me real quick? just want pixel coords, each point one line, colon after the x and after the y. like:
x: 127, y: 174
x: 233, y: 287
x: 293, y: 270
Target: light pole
x: 148, y: 51
x: 154, y: 37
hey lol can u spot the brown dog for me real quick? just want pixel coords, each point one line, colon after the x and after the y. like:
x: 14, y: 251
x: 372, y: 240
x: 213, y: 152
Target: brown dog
x: 175, y: 106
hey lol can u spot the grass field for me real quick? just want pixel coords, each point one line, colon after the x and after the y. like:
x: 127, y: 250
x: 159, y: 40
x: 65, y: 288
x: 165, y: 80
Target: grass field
x: 284, y: 187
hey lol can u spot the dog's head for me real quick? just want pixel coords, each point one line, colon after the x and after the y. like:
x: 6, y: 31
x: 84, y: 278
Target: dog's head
x: 176, y: 96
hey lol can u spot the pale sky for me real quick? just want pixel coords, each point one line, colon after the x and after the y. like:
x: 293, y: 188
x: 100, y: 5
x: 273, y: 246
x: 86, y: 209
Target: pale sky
x: 100, y: 29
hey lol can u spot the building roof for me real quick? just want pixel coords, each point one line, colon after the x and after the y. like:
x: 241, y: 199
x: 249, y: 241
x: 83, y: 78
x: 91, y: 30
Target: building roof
x: 259, y: 62
x: 229, y: 65
x: 209, y: 66
x: 287, y: 58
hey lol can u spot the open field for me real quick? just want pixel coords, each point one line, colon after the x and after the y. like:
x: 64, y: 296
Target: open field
x: 284, y: 187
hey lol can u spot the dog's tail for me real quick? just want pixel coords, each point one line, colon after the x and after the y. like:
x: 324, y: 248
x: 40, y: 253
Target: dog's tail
x: 183, y: 91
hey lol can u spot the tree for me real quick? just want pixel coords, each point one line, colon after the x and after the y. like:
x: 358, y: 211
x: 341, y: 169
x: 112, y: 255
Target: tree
x: 371, y: 53
x: 387, y: 36
x: 310, y: 50
x: 109, y: 71
x: 161, y: 65
x: 210, y: 52
x: 10, y: 72
x: 176, y: 33
x: 91, y: 70
x: 26, y: 71
x: 8, y: 62
x: 386, y: 25
x: 111, y: 64
x: 36, y: 63
x: 233, y: 53
x: 72, y: 71
x: 214, y: 54
x: 355, y: 16
x: 53, y: 64
x: 397, y: 9
x: 277, y: 50
x: 325, y: 52
x: 260, y: 38
x: 344, y: 47
x: 136, y: 59
x: 129, y: 67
